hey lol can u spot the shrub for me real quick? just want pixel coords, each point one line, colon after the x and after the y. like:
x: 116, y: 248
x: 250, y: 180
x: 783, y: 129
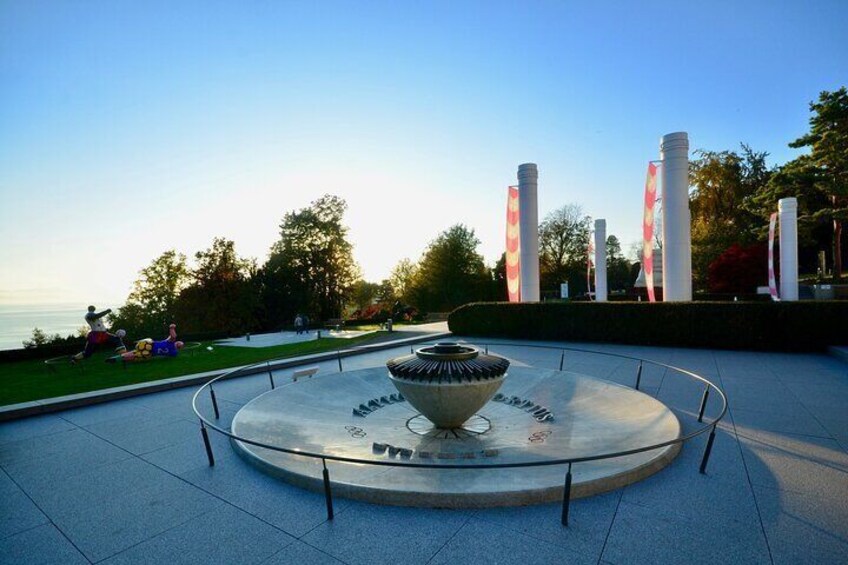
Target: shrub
x: 797, y: 326
x: 739, y: 269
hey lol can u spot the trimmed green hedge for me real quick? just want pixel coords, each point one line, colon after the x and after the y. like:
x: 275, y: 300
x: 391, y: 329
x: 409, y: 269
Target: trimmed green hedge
x: 781, y: 326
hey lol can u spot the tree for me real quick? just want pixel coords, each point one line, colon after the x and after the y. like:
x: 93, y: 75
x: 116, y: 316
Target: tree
x: 828, y: 143
x: 151, y: 305
x: 563, y: 248
x: 40, y: 339
x: 797, y: 179
x: 364, y: 294
x: 451, y: 272
x: 402, y: 277
x: 739, y: 269
x: 618, y: 268
x: 222, y: 296
x: 723, y: 182
x: 311, y: 266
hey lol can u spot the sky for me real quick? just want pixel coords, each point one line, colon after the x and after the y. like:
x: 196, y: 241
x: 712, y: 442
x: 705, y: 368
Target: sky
x: 127, y: 129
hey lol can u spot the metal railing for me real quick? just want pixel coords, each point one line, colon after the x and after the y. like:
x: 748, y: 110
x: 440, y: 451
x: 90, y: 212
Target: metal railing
x: 206, y: 424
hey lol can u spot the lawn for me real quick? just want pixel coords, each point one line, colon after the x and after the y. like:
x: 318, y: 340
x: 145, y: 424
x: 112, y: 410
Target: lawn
x: 22, y: 381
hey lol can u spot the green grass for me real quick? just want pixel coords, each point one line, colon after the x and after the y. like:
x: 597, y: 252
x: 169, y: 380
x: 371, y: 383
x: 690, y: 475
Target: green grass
x: 23, y: 381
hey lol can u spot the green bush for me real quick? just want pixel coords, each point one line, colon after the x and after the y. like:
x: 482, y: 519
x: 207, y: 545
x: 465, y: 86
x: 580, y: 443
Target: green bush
x: 781, y: 326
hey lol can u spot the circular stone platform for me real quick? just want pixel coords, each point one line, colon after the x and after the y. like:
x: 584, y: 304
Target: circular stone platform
x: 538, y: 415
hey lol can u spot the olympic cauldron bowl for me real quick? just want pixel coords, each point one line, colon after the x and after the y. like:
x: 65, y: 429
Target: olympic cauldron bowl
x: 448, y: 382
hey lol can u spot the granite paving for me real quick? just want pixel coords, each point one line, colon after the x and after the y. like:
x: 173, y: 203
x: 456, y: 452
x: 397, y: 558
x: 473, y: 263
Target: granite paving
x: 128, y: 481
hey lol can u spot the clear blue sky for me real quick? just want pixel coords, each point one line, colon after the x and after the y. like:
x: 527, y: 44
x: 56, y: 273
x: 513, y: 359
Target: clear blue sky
x: 130, y: 128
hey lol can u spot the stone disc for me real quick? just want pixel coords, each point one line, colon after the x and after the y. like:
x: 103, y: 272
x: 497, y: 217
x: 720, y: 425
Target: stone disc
x: 539, y: 415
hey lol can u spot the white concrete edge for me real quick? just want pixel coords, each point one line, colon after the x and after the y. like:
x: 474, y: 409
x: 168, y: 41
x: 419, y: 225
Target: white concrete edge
x: 57, y: 404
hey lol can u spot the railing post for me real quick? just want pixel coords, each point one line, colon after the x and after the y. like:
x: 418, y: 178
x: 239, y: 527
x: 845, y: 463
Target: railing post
x: 328, y: 494
x: 214, y: 402
x: 639, y: 376
x: 561, y: 359
x: 206, y: 443
x: 703, y: 404
x: 270, y: 375
x: 339, y: 357
x: 566, y: 496
x: 707, y: 451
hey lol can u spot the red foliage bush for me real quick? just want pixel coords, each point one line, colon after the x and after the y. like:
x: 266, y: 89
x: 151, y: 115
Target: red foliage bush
x: 739, y: 269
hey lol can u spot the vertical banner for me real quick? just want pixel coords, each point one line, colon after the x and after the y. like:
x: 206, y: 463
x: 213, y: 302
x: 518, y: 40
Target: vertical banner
x: 513, y: 259
x: 648, y: 230
x: 772, y: 279
x: 590, y: 251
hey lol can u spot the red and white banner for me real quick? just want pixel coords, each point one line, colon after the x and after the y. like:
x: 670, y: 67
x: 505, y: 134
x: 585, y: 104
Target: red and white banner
x: 772, y: 278
x: 513, y: 259
x: 648, y: 230
x: 590, y: 251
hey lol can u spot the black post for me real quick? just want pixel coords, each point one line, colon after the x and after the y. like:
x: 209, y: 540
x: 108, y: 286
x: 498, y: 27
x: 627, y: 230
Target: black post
x: 703, y: 404
x: 339, y: 355
x: 639, y: 376
x: 214, y: 402
x: 328, y: 494
x: 566, y: 496
x: 487, y: 349
x: 207, y: 444
x: 561, y: 359
x: 270, y: 375
x: 707, y: 451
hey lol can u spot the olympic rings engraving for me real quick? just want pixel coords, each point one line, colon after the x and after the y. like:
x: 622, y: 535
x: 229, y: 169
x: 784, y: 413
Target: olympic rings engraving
x: 355, y: 431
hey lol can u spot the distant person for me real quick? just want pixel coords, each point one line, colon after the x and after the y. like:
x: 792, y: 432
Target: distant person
x: 306, y: 323
x: 298, y: 324
x: 99, y: 335
x: 147, y: 348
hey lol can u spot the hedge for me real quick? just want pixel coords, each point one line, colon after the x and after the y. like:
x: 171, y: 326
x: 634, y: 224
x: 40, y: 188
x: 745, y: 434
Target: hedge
x: 780, y: 326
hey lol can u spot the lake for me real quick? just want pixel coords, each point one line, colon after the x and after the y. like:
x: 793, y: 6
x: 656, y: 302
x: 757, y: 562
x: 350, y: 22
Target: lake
x: 17, y: 321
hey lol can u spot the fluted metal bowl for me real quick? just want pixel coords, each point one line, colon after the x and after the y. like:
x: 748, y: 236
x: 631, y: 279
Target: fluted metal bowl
x: 448, y: 382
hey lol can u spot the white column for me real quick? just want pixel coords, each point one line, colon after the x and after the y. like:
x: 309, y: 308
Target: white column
x: 787, y: 209
x: 601, y: 260
x: 528, y: 213
x: 676, y: 229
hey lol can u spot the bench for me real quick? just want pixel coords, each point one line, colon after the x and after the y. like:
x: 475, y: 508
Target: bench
x: 334, y: 324
x: 306, y: 372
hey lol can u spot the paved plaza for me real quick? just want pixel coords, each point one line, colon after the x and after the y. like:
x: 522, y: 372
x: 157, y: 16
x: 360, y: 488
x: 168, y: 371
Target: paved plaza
x: 128, y: 482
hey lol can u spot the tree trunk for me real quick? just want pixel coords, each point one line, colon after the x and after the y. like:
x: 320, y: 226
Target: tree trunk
x: 837, y: 243
x: 837, y: 250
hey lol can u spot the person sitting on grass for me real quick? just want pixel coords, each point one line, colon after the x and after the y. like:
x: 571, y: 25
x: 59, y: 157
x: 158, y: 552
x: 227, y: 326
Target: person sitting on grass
x: 99, y: 335
x: 147, y: 348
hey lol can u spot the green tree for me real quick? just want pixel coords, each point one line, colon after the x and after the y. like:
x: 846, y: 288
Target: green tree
x: 618, y: 267
x: 722, y: 185
x: 40, y: 339
x: 363, y: 294
x: 402, y: 277
x: 797, y: 179
x: 451, y: 272
x: 151, y: 305
x: 563, y: 248
x: 828, y: 143
x: 311, y: 266
x: 222, y: 296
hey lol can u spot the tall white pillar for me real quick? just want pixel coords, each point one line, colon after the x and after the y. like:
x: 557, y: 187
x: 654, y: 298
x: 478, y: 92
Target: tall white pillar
x: 676, y: 228
x: 601, y: 260
x: 528, y: 213
x: 787, y: 209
